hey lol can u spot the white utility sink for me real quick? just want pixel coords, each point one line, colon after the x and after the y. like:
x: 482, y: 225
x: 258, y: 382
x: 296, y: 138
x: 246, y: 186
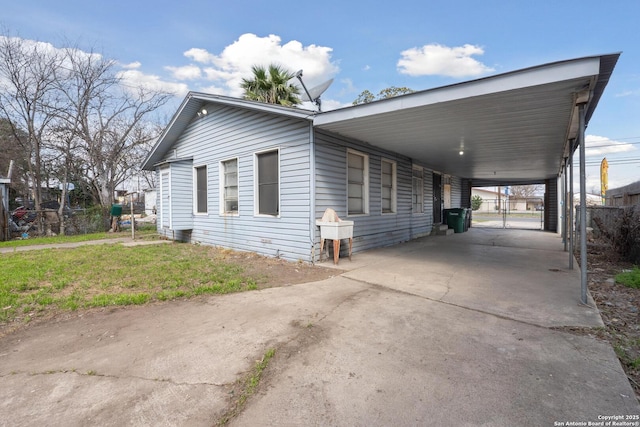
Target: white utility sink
x: 335, y: 231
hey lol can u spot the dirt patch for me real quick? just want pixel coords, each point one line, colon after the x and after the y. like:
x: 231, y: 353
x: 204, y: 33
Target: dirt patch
x: 273, y: 272
x: 619, y: 307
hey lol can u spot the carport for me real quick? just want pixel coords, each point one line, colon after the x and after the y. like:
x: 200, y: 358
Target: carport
x: 517, y: 128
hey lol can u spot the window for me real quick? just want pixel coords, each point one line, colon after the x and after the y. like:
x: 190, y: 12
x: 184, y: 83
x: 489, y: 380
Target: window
x: 388, y: 183
x: 229, y: 187
x: 267, y: 183
x: 201, y: 189
x: 417, y: 201
x: 358, y: 183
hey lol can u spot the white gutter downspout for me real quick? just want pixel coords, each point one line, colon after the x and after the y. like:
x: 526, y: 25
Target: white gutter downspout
x: 312, y: 192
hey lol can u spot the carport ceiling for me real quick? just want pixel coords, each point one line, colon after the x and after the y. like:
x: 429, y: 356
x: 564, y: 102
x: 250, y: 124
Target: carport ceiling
x: 512, y: 128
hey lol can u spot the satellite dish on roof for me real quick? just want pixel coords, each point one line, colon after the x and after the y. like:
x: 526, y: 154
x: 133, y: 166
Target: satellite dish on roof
x: 313, y: 94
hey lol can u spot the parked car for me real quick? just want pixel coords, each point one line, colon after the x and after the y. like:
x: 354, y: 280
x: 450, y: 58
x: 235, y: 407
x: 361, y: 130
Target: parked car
x: 22, y: 215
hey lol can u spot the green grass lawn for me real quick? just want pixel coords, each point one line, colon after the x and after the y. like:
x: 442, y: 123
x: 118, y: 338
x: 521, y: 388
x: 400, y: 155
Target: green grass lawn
x: 33, y: 283
x: 630, y: 278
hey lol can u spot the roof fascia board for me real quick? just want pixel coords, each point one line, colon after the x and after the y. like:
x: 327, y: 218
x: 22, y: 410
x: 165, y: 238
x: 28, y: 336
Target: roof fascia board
x: 536, y: 76
x: 175, y: 160
x: 253, y: 105
x: 147, y: 163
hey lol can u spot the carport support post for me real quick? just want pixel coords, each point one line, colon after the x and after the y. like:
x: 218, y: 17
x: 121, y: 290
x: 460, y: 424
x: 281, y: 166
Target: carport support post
x: 583, y: 210
x: 564, y: 206
x: 571, y: 207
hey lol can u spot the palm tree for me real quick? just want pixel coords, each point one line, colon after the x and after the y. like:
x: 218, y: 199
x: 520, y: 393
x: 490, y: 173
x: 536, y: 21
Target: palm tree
x: 271, y: 85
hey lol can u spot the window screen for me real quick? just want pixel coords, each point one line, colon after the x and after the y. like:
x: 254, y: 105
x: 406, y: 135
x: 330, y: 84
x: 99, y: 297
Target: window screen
x: 230, y: 182
x: 268, y: 197
x: 201, y: 189
x: 418, y: 191
x: 357, y: 176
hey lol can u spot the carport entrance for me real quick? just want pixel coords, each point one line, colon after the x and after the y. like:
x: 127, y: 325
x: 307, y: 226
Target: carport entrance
x: 510, y: 219
x: 510, y: 207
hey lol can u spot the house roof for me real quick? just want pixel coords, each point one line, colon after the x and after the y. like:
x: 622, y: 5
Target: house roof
x: 513, y: 128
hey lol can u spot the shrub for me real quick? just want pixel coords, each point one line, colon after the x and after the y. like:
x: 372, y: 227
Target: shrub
x: 476, y: 202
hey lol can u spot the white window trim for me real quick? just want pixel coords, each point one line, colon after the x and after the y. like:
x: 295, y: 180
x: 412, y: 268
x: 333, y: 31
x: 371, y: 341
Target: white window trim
x: 195, y: 190
x: 256, y: 186
x: 221, y: 209
x: 421, y: 169
x: 394, y: 187
x: 365, y: 201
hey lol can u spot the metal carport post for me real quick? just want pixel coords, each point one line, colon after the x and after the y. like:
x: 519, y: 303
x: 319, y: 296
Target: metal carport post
x: 583, y: 208
x: 571, y: 207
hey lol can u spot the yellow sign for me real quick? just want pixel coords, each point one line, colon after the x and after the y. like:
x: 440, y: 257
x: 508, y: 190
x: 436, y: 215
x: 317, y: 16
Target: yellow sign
x: 604, y: 178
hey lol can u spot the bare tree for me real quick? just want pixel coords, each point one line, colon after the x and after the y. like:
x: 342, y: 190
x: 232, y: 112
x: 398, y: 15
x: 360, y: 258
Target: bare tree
x: 11, y: 150
x: 525, y: 191
x: 74, y: 108
x: 27, y: 90
x: 111, y: 134
x: 110, y: 121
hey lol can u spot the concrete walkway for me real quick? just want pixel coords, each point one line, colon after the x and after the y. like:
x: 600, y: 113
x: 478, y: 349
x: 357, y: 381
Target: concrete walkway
x: 452, y: 330
x: 126, y: 241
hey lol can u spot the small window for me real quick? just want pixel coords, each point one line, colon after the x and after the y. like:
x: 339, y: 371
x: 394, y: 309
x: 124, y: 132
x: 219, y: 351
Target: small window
x: 268, y: 183
x: 358, y: 183
x: 388, y: 184
x: 201, y: 189
x: 417, y: 203
x: 229, y: 193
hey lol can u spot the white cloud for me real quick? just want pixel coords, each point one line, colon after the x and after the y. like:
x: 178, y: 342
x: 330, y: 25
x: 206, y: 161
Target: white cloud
x: 226, y: 69
x: 199, y: 55
x: 132, y: 76
x: 187, y: 72
x: 436, y: 59
x: 331, y: 104
x: 348, y: 86
x: 136, y: 78
x: 132, y: 66
x: 627, y: 93
x: 601, y: 145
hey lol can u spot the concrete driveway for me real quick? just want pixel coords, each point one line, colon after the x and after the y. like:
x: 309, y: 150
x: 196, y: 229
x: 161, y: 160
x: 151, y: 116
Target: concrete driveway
x: 452, y: 330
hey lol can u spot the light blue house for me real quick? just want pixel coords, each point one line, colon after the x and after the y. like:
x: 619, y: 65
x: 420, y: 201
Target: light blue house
x: 256, y: 177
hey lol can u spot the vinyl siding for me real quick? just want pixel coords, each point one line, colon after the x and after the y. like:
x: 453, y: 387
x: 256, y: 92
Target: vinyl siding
x: 375, y: 228
x: 181, y: 189
x: 229, y: 132
x: 456, y: 192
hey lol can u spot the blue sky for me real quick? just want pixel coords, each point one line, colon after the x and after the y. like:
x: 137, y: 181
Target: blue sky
x: 210, y: 45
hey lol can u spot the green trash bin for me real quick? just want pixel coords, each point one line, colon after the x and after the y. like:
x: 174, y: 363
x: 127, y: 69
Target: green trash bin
x: 116, y: 210
x: 455, y: 219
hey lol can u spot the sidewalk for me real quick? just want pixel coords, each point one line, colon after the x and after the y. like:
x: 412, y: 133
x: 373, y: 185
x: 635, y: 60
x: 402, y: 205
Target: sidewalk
x: 127, y: 241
